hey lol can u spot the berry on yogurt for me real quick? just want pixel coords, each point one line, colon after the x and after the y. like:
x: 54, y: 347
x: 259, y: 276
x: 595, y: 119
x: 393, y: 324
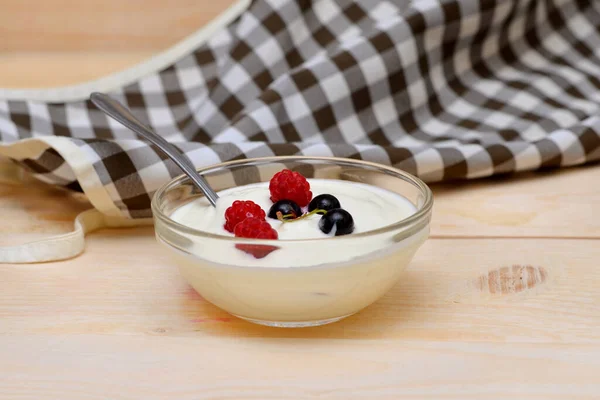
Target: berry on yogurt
x: 255, y: 228
x: 285, y: 209
x: 338, y: 220
x: 290, y: 185
x: 324, y: 202
x: 239, y: 211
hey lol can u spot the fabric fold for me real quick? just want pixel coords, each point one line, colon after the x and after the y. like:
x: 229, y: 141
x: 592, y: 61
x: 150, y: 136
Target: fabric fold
x: 454, y: 89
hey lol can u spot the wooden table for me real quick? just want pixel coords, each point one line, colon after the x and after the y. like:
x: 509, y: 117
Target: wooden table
x: 502, y: 302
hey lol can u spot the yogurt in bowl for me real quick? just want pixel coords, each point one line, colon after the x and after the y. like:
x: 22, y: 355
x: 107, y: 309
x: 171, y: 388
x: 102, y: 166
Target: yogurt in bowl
x: 307, y: 277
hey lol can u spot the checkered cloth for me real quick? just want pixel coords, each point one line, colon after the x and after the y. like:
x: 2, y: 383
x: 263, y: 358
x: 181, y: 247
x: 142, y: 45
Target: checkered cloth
x: 443, y: 89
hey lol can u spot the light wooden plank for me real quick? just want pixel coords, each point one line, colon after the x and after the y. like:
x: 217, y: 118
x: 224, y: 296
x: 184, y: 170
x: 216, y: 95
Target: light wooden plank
x: 33, y: 210
x: 455, y: 289
x: 559, y: 203
x: 53, y: 69
x: 132, y: 367
x: 108, y: 25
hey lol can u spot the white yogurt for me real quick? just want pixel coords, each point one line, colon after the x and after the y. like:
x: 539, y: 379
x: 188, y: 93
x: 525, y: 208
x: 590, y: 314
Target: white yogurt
x: 371, y: 208
x: 302, y: 283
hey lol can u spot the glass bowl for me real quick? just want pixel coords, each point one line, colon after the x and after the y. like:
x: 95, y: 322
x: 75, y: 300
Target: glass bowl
x: 346, y: 274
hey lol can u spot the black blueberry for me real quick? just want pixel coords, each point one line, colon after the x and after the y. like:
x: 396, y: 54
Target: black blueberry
x: 287, y: 208
x: 338, y: 218
x: 324, y: 202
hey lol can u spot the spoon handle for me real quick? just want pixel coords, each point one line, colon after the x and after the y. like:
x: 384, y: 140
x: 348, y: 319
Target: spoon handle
x: 120, y: 113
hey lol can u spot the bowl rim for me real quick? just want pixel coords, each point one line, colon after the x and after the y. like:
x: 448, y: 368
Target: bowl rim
x: 413, y: 219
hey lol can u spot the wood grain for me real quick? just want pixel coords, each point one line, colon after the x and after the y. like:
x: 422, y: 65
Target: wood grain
x: 463, y: 322
x: 36, y: 210
x: 108, y: 25
x: 55, y: 43
x: 46, y: 70
x: 133, y: 367
x: 558, y: 203
x: 455, y: 289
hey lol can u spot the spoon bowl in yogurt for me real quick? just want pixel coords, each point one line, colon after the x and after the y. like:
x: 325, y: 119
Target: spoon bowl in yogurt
x: 305, y: 277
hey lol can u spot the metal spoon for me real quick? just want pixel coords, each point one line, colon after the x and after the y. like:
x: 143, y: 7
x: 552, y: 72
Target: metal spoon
x: 120, y: 113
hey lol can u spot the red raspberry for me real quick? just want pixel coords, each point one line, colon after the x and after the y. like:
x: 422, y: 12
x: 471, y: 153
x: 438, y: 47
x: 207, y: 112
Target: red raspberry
x: 290, y: 185
x: 256, y: 228
x: 239, y: 211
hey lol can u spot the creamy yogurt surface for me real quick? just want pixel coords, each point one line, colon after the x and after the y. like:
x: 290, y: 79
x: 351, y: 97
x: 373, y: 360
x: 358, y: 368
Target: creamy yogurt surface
x: 371, y: 208
x: 304, y: 282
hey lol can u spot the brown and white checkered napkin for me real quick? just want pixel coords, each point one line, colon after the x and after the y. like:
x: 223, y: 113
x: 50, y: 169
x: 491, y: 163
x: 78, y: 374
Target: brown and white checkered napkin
x: 443, y: 89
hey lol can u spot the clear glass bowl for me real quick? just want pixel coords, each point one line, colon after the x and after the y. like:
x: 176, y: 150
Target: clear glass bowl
x: 365, y: 267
